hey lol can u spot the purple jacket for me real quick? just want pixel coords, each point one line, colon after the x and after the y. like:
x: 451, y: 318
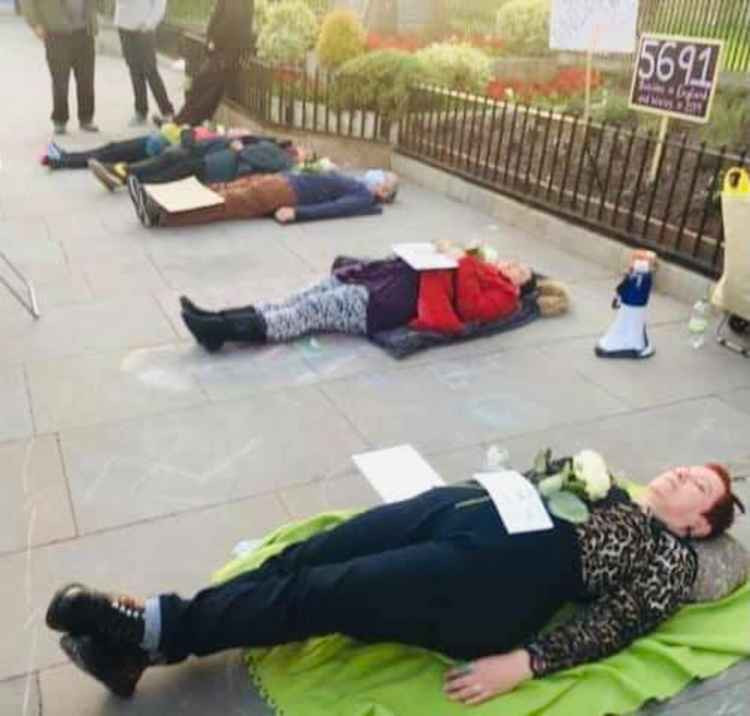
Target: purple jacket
x: 393, y: 287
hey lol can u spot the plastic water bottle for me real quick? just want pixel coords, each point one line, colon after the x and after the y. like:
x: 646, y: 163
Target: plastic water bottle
x: 699, y: 323
x: 496, y: 459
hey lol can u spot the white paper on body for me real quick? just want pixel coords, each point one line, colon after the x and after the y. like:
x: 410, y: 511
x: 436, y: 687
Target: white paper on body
x: 397, y: 473
x: 516, y: 500
x: 424, y: 256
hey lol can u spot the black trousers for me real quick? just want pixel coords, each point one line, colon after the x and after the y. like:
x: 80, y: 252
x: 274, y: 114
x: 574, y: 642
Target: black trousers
x: 170, y: 165
x: 65, y: 52
x: 130, y: 150
x: 208, y: 87
x: 429, y: 571
x: 139, y: 51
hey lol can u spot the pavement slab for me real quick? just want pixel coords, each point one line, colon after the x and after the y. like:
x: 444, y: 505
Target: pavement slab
x: 34, y: 495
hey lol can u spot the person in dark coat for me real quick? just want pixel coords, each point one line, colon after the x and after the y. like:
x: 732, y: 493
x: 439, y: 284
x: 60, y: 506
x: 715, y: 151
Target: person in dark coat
x: 229, y: 35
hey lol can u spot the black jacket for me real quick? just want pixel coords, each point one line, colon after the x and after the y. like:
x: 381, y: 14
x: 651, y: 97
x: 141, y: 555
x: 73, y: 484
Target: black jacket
x: 231, y: 25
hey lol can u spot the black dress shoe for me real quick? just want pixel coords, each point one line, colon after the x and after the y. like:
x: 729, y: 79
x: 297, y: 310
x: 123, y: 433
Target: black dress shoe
x: 77, y: 610
x: 118, y: 668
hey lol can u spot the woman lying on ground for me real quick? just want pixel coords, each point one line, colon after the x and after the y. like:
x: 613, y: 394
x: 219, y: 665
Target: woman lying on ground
x: 288, y: 196
x: 439, y: 571
x: 367, y: 297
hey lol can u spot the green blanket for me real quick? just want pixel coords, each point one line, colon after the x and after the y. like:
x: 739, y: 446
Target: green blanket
x: 335, y: 676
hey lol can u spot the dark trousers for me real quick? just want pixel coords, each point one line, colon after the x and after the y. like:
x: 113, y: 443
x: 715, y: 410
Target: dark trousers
x: 423, y: 572
x: 65, y: 52
x: 131, y: 150
x: 139, y: 51
x: 208, y: 87
x: 170, y: 165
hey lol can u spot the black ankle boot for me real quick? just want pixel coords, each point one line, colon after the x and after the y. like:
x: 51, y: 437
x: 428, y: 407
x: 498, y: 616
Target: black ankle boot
x: 81, y: 611
x: 245, y: 325
x: 209, y: 330
x: 119, y: 668
x: 189, y: 307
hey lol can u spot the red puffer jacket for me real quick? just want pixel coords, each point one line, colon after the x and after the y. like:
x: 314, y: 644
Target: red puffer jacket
x: 475, y: 292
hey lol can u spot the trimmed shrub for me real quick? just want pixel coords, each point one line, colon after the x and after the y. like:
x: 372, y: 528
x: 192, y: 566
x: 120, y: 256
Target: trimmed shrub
x: 457, y: 66
x: 260, y: 15
x: 523, y: 26
x: 288, y: 32
x: 378, y: 81
x: 342, y: 38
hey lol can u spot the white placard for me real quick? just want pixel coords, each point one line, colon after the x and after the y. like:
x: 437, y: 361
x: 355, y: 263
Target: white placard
x: 397, y: 473
x: 516, y: 499
x: 424, y: 256
x: 596, y: 25
x: 183, y: 195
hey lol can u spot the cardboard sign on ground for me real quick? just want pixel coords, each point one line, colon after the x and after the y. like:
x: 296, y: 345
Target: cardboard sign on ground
x: 424, y: 256
x: 397, y: 473
x: 183, y: 195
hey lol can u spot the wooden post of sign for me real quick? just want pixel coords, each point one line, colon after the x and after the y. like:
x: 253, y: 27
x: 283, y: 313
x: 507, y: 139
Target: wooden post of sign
x: 659, y: 149
x: 589, y: 64
x: 593, y: 46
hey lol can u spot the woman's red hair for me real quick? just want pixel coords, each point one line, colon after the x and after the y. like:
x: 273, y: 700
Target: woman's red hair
x: 721, y: 515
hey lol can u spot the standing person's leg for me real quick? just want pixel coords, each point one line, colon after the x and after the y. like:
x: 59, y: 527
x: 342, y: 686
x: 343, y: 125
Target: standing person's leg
x: 207, y: 89
x: 129, y: 40
x: 147, y: 50
x: 83, y: 67
x: 59, y: 52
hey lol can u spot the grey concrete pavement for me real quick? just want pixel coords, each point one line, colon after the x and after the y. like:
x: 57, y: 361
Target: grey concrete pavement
x: 133, y: 460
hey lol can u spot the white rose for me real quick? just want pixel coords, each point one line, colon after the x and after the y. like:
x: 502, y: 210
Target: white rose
x: 488, y: 254
x: 591, y: 469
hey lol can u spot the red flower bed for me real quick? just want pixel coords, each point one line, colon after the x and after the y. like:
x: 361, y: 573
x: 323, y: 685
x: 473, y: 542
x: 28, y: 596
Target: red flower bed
x: 411, y: 42
x: 568, y: 82
x: 404, y: 41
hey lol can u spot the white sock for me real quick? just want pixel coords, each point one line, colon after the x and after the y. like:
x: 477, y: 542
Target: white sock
x: 152, y: 625
x: 627, y: 331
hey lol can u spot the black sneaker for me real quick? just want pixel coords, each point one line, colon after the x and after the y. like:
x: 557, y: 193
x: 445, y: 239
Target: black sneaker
x: 145, y: 209
x: 118, y: 668
x: 81, y: 611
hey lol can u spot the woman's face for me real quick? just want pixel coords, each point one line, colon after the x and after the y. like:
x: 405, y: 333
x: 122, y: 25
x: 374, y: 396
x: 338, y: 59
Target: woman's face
x: 680, y: 497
